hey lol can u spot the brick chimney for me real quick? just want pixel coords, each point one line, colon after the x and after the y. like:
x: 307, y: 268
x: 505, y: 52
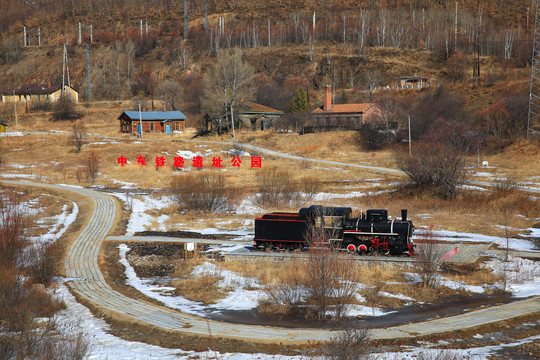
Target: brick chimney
x: 327, y: 97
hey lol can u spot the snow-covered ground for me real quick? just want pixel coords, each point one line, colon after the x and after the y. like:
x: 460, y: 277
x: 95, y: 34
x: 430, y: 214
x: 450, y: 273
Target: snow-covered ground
x: 523, y: 280
x: 104, y: 346
x: 141, y: 206
x: 58, y: 223
x: 454, y: 236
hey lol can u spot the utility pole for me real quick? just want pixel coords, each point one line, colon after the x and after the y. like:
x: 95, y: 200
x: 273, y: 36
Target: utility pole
x: 410, y: 144
x: 186, y: 26
x: 455, y: 31
x: 140, y: 120
x: 15, y: 110
x: 65, y: 71
x: 88, y: 80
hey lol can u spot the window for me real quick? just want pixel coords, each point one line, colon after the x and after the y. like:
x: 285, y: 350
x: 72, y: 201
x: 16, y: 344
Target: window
x: 152, y: 126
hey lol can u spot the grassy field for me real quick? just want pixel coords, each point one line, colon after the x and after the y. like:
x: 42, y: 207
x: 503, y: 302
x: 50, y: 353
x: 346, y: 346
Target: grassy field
x: 50, y: 157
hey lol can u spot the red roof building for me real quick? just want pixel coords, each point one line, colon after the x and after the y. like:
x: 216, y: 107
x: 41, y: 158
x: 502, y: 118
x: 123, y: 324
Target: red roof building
x: 39, y: 92
x: 348, y: 116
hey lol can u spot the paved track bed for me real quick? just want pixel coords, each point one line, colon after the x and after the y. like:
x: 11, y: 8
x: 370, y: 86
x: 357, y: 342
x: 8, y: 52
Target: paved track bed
x: 90, y: 287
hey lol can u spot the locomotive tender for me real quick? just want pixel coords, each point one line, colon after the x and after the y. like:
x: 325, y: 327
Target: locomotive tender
x: 371, y: 232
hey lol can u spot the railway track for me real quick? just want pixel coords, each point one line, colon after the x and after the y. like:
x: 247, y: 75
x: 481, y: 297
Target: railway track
x: 88, y: 283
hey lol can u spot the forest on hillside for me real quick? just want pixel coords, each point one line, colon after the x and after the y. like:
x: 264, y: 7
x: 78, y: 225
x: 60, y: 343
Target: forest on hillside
x: 169, y: 50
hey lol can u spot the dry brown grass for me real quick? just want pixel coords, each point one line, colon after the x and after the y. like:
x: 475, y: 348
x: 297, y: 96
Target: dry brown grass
x: 184, y: 267
x: 471, y: 274
x: 373, y: 274
x: 202, y: 289
x: 270, y: 272
x: 56, y: 162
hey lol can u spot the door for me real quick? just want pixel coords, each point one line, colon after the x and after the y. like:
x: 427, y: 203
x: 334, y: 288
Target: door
x: 168, y: 128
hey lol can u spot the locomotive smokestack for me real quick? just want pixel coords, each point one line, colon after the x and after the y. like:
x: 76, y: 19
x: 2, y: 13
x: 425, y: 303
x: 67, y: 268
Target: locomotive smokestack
x: 404, y: 214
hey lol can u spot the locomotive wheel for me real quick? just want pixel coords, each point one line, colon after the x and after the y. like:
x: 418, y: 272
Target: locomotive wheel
x: 362, y: 249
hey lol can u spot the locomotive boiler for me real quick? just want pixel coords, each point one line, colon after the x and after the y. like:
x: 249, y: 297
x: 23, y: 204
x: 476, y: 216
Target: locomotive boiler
x: 372, y: 231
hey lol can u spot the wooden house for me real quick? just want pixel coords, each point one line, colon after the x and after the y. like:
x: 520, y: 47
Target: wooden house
x: 39, y: 93
x: 256, y: 116
x: 152, y: 121
x: 3, y: 127
x: 344, y: 116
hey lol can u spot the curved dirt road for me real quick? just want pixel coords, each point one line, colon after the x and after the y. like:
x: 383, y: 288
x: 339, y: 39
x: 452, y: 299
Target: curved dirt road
x: 88, y: 282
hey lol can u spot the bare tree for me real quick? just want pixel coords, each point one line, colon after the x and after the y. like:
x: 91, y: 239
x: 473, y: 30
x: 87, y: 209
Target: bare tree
x: 92, y: 166
x: 64, y: 109
x: 508, y: 44
x: 130, y: 50
x: 184, y: 56
x: 328, y: 270
x: 349, y: 343
x: 398, y: 32
x: 78, y: 134
x: 429, y: 259
x: 202, y: 191
x: 372, y: 79
x: 310, y: 49
x: 363, y: 29
x: 274, y: 186
x: 229, y: 80
x: 170, y: 92
x: 381, y: 28
x: 186, y: 26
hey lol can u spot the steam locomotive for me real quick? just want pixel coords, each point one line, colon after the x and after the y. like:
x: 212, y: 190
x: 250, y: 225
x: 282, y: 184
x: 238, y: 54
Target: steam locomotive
x: 334, y: 227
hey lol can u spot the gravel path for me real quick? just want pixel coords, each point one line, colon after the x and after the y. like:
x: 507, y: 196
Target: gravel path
x: 88, y: 282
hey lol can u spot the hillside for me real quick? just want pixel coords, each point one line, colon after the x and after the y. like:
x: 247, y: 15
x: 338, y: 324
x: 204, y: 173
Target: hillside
x: 354, y: 46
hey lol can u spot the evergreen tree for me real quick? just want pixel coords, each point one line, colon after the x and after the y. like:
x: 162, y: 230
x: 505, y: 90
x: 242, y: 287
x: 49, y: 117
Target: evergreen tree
x: 343, y: 99
x: 300, y: 101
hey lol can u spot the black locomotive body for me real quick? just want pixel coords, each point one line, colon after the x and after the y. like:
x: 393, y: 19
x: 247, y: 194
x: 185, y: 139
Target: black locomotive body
x: 370, y: 232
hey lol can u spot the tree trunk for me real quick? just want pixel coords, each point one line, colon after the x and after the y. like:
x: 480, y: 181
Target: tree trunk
x: 186, y: 28
x: 232, y: 119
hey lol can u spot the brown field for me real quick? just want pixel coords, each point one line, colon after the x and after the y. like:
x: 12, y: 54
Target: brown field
x: 49, y: 157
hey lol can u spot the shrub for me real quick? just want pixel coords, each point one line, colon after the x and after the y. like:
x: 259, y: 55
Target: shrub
x: 456, y: 65
x: 78, y: 134
x: 438, y: 162
x: 45, y: 260
x: 329, y: 272
x: 428, y: 260
x: 349, y: 343
x: 310, y: 186
x: 92, y: 166
x: 12, y: 238
x: 202, y: 191
x: 436, y: 168
x: 275, y: 187
x: 64, y: 109
x: 373, y: 135
x: 40, y: 105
